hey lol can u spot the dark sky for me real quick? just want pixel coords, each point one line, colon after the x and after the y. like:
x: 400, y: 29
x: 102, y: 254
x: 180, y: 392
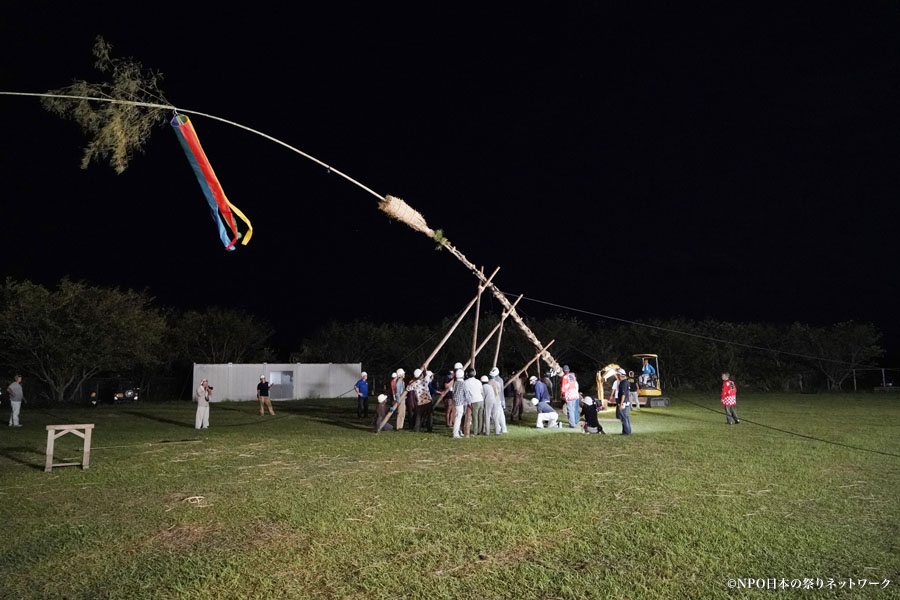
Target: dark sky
x: 737, y: 163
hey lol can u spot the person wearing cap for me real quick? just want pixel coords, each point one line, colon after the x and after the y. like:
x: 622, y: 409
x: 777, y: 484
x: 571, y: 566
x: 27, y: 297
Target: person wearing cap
x: 518, y: 402
x: 621, y: 388
x: 380, y: 413
x: 16, y: 397
x: 569, y: 390
x: 418, y: 390
x: 633, y: 392
x: 201, y: 420
x: 498, y: 385
x: 362, y: 396
x: 589, y: 410
x: 262, y: 394
x: 476, y: 401
x: 546, y: 413
x: 399, y: 398
x: 460, y: 401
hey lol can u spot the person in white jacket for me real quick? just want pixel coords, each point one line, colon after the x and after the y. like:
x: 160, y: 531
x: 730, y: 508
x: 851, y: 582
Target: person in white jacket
x: 201, y: 421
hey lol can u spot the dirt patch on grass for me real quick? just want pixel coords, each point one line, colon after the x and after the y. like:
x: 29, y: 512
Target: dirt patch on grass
x: 180, y: 537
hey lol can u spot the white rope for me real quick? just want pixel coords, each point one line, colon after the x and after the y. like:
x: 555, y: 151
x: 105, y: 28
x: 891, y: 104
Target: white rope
x: 329, y: 168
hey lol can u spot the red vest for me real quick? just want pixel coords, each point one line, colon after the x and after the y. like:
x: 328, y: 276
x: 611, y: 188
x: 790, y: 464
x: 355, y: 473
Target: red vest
x: 729, y: 393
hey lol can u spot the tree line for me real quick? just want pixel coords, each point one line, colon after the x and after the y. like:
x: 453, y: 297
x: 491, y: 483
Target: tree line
x: 65, y: 335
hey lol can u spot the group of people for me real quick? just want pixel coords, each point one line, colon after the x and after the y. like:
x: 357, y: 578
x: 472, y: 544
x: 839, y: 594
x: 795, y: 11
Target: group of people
x: 624, y: 393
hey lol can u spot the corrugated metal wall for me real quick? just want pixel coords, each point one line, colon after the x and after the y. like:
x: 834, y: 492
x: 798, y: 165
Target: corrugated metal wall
x: 287, y: 381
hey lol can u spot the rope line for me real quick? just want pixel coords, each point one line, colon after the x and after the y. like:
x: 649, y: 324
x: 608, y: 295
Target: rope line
x: 803, y: 435
x: 687, y: 333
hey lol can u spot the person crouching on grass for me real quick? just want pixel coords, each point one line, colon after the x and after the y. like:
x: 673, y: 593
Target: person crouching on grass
x: 589, y: 410
x: 729, y: 399
x: 380, y: 413
x: 545, y: 412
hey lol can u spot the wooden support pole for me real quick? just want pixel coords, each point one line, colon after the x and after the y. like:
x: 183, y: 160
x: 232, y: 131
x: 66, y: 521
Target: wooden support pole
x: 434, y: 353
x: 484, y: 342
x: 504, y: 301
x: 536, y: 357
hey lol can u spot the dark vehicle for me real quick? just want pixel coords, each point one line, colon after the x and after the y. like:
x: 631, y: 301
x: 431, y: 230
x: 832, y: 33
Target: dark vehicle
x: 114, y: 391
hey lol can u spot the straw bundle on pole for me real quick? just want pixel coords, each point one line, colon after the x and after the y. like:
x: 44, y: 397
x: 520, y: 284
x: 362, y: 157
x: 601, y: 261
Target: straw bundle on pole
x: 401, y: 211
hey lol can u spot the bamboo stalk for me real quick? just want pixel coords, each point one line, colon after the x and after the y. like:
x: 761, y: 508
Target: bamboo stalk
x: 477, y: 313
x: 536, y: 357
x: 498, y: 326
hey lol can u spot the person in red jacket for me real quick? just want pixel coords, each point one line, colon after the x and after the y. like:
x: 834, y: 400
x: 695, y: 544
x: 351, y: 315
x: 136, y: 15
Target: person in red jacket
x: 729, y: 399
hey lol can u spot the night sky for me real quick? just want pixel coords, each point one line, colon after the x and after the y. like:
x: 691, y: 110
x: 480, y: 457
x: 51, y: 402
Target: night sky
x: 735, y: 163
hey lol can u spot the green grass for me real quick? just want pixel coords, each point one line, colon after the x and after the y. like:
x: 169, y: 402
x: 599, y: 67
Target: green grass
x: 310, y: 504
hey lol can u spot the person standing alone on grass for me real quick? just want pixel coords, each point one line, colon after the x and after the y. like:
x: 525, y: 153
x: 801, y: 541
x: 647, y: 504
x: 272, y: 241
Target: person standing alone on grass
x: 729, y: 399
x: 201, y: 421
x: 569, y: 389
x: 16, y: 397
x: 362, y: 396
x: 262, y: 394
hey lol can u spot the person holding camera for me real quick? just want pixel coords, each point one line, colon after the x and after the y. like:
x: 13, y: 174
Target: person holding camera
x: 203, y: 394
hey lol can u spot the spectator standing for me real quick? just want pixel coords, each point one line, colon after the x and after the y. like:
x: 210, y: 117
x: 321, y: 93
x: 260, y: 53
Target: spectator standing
x: 262, y: 394
x: 201, y: 421
x: 16, y: 397
x: 418, y: 389
x: 362, y: 396
x: 490, y: 406
x: 729, y: 399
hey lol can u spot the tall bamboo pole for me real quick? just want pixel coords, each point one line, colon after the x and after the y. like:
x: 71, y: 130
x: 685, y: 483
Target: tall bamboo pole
x: 536, y: 357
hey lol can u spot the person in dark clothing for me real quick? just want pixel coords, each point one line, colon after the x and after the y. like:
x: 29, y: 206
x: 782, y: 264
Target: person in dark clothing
x: 589, y: 411
x: 362, y: 396
x: 380, y: 413
x: 262, y: 394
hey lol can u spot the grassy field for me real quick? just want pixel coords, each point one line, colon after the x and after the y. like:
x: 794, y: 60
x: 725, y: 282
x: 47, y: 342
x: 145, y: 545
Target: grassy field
x: 310, y: 504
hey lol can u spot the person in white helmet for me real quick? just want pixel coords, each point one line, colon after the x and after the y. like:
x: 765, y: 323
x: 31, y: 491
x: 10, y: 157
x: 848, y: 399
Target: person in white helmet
x: 201, y: 419
x: 380, y: 411
x: 476, y: 402
x: 421, y: 396
x: 591, y: 423
x: 490, y: 406
x: 546, y: 413
x: 460, y: 400
x: 399, y: 397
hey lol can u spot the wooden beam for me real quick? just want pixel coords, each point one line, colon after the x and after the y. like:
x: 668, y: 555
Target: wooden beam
x: 536, y: 357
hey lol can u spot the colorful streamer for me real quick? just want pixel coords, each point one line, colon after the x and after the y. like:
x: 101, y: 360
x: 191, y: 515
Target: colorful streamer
x: 219, y: 206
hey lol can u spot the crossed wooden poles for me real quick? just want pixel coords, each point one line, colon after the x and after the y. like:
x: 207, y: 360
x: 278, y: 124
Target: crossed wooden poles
x: 509, y: 311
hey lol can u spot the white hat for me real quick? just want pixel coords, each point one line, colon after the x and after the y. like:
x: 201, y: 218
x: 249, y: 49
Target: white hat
x: 202, y: 380
x: 621, y: 372
x: 484, y: 379
x: 429, y: 376
x: 458, y: 366
x: 363, y: 374
x: 381, y: 398
x: 417, y: 373
x: 262, y: 376
x: 534, y: 401
x: 400, y: 372
x: 394, y: 375
x: 587, y: 400
x: 459, y: 374
x: 495, y: 371
x: 532, y: 379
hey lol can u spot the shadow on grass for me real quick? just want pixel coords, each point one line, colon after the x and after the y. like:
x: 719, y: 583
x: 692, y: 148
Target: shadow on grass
x: 13, y: 454
x: 157, y: 418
